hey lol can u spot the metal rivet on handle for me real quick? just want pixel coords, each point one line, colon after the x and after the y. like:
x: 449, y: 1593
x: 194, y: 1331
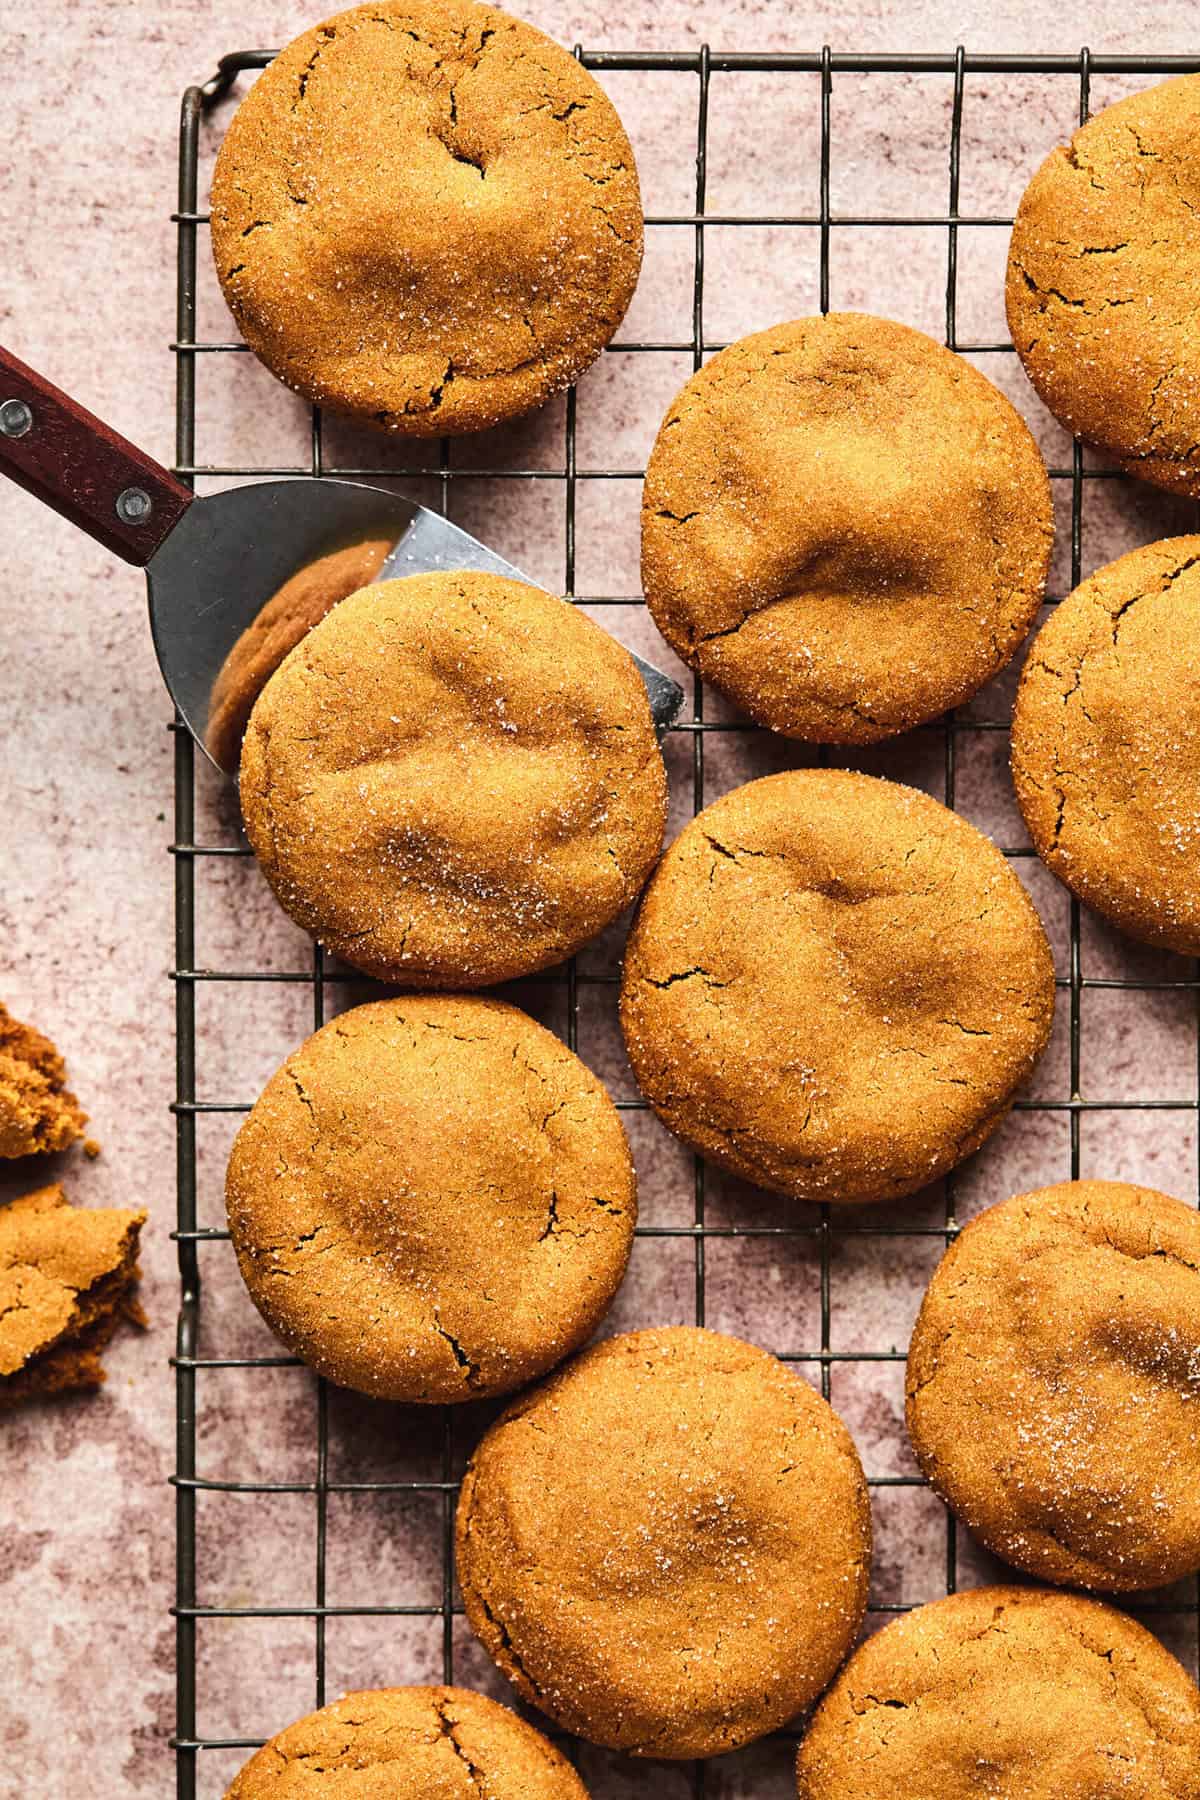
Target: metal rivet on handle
x: 134, y: 506
x: 16, y: 418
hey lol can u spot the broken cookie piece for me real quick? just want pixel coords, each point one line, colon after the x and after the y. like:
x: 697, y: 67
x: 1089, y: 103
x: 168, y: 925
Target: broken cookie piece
x: 67, y: 1279
x: 38, y: 1113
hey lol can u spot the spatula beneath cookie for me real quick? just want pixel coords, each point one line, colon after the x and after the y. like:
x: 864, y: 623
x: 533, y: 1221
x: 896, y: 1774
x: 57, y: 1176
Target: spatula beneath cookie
x: 214, y: 561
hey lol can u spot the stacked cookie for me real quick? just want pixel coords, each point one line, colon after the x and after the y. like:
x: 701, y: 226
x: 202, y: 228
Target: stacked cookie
x: 426, y: 216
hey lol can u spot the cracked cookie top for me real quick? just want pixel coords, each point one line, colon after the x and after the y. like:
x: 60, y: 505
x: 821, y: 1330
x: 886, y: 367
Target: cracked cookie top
x: 454, y: 780
x: 432, y: 1199
x: 1102, y: 283
x: 1053, y: 1389
x: 1106, y: 743
x: 834, y: 986
x: 845, y: 527
x: 666, y: 1547
x: 412, y: 1743
x: 427, y: 215
x: 1012, y: 1692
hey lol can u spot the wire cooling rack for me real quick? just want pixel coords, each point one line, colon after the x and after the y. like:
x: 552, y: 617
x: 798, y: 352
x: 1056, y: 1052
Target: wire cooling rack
x: 823, y: 67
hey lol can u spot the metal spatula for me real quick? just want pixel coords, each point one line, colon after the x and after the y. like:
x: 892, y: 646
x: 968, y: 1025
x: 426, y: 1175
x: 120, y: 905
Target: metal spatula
x: 212, y: 562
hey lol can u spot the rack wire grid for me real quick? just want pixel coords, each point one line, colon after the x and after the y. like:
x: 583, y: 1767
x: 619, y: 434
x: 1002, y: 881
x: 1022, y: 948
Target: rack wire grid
x: 822, y: 67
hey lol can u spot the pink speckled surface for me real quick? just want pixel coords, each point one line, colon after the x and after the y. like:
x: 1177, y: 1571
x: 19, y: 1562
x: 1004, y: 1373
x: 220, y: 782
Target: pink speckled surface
x: 87, y: 173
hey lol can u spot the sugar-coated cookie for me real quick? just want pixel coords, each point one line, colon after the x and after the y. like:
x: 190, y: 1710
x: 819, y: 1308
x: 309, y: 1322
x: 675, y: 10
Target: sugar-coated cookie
x: 1011, y: 1692
x: 834, y: 986
x: 454, y: 780
x: 425, y: 213
x: 666, y: 1546
x: 1053, y: 1390
x: 845, y: 527
x: 1102, y: 276
x: 1106, y: 743
x: 412, y: 1743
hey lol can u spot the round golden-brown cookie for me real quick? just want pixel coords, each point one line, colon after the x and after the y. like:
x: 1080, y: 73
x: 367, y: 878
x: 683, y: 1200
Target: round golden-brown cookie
x: 426, y: 214
x: 1106, y: 743
x: 432, y: 1199
x: 1053, y: 1391
x: 288, y: 615
x: 845, y: 527
x: 666, y: 1547
x: 454, y: 780
x: 1011, y: 1692
x: 1101, y: 288
x: 411, y: 1743
x: 834, y: 986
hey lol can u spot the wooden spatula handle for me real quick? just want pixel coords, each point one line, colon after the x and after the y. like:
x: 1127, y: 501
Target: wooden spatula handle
x: 82, y: 468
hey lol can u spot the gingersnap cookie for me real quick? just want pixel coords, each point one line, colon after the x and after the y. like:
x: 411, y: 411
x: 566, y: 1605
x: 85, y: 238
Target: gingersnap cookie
x: 1007, y: 1691
x: 432, y: 1199
x: 1053, y: 1390
x: 834, y: 986
x: 454, y: 780
x: 288, y: 615
x: 426, y: 214
x: 38, y: 1112
x: 845, y: 527
x: 68, y: 1276
x: 1106, y: 743
x: 666, y: 1547
x: 410, y: 1743
x: 1101, y: 287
